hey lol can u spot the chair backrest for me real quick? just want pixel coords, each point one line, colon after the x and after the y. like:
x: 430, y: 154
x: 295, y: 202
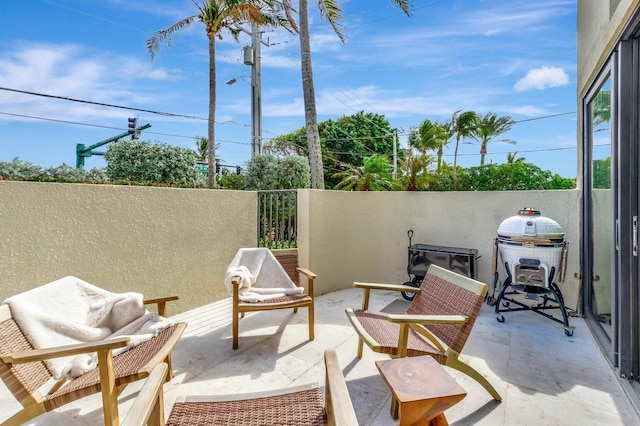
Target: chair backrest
x: 288, y: 258
x: 23, y: 380
x: 444, y: 292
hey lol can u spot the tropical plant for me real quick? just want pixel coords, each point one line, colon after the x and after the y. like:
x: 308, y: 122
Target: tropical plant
x: 487, y: 128
x: 219, y: 15
x: 347, y: 140
x: 513, y: 177
x: 602, y: 173
x: 331, y: 12
x: 415, y: 174
x: 202, y: 149
x: 373, y: 175
x: 601, y: 107
x: 433, y: 135
x: 231, y: 180
x: 512, y: 157
x: 461, y: 126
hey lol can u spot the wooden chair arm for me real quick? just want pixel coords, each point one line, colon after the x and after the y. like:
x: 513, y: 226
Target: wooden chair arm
x: 61, y: 351
x: 161, y: 302
x: 337, y: 400
x: 428, y: 319
x: 392, y: 287
x: 367, y: 287
x: 307, y: 273
x: 148, y: 407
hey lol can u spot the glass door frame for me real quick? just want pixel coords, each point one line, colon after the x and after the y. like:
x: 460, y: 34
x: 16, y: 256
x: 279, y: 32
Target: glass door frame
x: 607, y: 343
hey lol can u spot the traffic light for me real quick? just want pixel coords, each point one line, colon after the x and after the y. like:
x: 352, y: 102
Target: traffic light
x: 238, y: 169
x: 217, y: 168
x: 134, y: 129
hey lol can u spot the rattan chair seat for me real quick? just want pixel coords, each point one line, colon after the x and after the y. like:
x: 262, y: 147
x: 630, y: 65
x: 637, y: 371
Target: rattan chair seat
x: 294, y: 409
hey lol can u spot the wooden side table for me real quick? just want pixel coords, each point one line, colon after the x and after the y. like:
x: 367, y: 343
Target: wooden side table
x: 422, y: 390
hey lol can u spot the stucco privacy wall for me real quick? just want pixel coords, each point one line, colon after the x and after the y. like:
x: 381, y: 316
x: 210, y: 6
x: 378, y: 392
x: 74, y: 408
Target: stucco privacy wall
x: 156, y: 241
x: 362, y: 236
x: 160, y: 241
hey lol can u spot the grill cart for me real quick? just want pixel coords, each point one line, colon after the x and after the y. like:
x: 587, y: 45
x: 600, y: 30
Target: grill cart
x: 421, y: 256
x: 533, y: 251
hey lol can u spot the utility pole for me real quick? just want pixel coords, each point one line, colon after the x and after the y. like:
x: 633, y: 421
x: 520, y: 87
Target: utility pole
x: 395, y: 154
x: 253, y: 58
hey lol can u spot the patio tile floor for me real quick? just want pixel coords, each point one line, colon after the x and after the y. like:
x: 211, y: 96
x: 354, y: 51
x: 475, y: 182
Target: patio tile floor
x: 545, y: 377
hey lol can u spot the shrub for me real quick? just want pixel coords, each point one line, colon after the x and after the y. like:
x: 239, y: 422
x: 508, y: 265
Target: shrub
x: 19, y: 170
x: 265, y: 171
x: 143, y: 162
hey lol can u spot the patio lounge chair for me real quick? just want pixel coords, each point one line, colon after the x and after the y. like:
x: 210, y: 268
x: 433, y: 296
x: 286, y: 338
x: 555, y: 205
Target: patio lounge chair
x: 437, y: 323
x: 301, y: 405
x: 23, y: 371
x: 289, y: 261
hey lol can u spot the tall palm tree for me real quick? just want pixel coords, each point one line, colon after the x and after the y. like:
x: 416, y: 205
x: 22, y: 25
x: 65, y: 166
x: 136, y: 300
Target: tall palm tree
x: 434, y: 136
x: 461, y: 126
x: 488, y: 127
x: 331, y: 12
x: 219, y: 15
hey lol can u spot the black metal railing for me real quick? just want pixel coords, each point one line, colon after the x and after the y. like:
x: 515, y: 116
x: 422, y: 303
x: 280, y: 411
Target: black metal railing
x: 277, y: 219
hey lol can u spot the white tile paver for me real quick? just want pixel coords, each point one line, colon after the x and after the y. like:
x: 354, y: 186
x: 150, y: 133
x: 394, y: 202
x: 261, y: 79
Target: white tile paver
x: 545, y: 377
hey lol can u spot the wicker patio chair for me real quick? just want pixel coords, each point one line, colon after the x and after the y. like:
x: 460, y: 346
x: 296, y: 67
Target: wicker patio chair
x: 23, y: 371
x: 301, y: 405
x: 289, y: 261
x: 437, y: 323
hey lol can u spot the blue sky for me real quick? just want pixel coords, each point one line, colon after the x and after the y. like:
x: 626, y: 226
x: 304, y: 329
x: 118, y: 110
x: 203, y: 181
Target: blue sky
x: 510, y: 57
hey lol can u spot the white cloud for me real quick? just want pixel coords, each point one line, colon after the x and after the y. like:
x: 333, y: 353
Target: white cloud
x: 542, y: 78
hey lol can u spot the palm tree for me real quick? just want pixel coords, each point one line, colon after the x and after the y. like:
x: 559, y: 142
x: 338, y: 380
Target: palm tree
x: 373, y: 175
x: 202, y: 149
x: 415, y: 176
x: 330, y: 11
x: 488, y: 127
x: 434, y: 136
x: 218, y: 15
x: 461, y: 126
x: 511, y: 158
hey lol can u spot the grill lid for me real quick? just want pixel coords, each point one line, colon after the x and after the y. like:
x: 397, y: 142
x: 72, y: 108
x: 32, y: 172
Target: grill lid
x: 530, y: 224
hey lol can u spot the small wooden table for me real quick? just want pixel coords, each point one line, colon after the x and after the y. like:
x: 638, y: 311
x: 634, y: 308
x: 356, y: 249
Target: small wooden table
x: 422, y: 388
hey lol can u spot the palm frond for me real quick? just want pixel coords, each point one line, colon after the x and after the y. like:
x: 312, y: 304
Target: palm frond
x: 330, y: 11
x: 163, y: 37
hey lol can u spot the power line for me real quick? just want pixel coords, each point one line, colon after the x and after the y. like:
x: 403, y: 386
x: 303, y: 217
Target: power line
x: 545, y: 116
x: 114, y: 128
x: 64, y: 98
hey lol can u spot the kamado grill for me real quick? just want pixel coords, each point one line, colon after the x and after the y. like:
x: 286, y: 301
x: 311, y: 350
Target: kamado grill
x: 532, y: 250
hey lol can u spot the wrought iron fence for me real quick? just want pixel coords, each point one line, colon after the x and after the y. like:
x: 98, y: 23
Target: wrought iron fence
x: 277, y: 219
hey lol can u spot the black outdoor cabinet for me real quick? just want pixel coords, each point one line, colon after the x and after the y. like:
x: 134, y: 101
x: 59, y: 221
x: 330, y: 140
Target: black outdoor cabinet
x: 460, y: 260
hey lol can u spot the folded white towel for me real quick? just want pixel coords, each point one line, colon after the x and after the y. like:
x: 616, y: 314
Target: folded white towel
x: 69, y: 311
x: 261, y: 276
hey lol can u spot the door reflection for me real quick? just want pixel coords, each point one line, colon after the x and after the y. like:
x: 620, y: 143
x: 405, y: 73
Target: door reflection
x: 602, y: 209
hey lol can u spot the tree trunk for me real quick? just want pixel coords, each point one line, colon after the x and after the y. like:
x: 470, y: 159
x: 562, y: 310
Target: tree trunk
x: 310, y: 114
x: 211, y: 132
x: 455, y: 164
x: 483, y: 152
